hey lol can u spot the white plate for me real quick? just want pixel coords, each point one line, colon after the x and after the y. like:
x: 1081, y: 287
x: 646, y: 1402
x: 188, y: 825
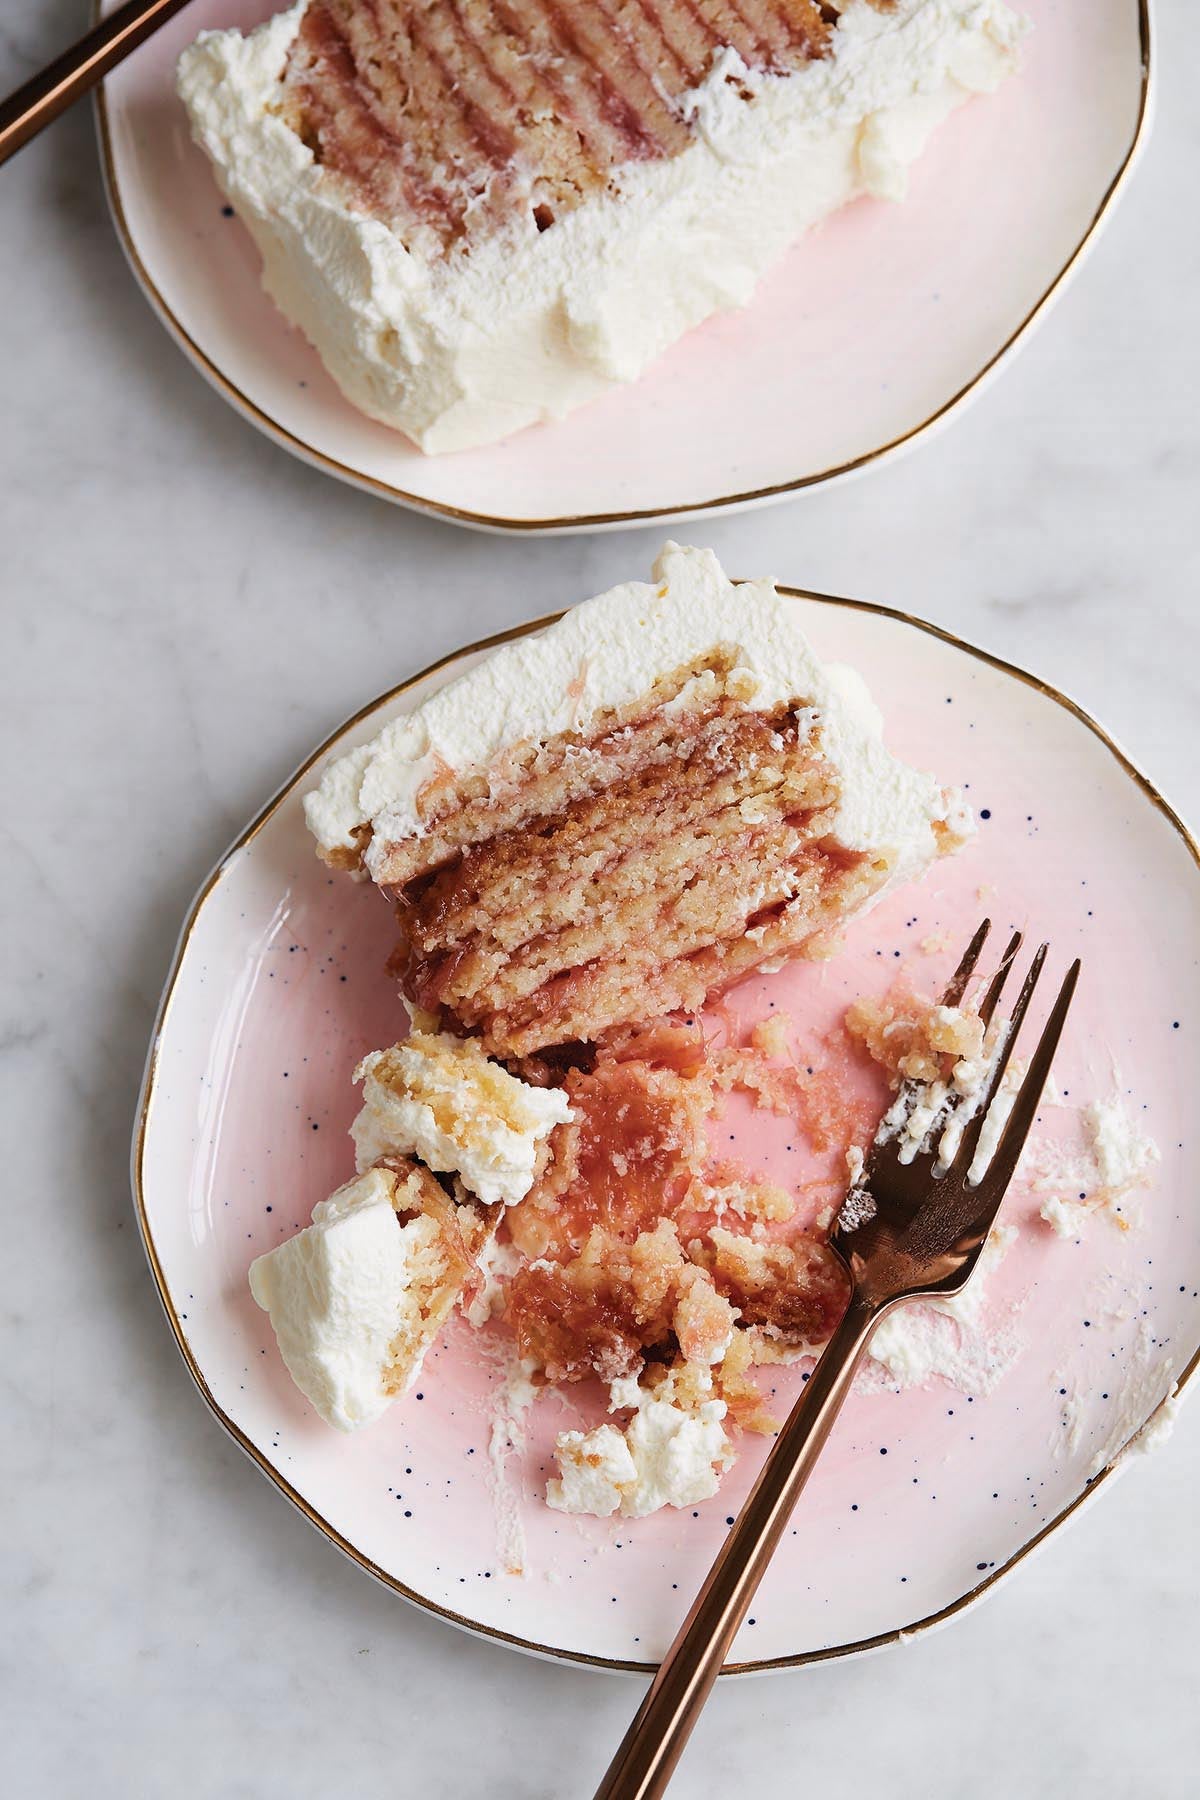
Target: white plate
x: 868, y: 334
x: 923, y: 1499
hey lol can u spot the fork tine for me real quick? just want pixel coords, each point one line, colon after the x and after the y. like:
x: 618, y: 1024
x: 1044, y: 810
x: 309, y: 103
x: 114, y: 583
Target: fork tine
x: 1016, y: 1129
x: 996, y: 985
x: 956, y: 986
x: 965, y: 1154
x: 991, y: 999
x: 887, y: 1150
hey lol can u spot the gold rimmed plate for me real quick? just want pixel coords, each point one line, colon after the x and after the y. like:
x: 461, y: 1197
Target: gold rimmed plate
x: 925, y: 1497
x: 873, y: 330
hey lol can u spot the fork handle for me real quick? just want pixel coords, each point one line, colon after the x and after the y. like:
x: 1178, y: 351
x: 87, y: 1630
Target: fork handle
x: 45, y: 95
x: 663, y: 1723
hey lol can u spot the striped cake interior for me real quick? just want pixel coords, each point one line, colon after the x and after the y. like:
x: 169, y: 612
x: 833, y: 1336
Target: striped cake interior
x: 445, y: 117
x: 624, y: 874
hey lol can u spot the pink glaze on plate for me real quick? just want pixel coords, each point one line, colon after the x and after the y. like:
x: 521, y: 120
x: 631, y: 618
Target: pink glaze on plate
x: 922, y: 1495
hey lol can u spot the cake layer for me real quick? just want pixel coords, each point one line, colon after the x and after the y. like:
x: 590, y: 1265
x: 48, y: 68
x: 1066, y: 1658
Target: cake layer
x: 540, y: 934
x: 485, y: 213
x: 669, y: 970
x: 446, y: 119
x: 735, y: 776
x: 620, y: 816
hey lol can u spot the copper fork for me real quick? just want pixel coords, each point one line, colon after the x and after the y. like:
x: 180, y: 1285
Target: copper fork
x: 45, y: 95
x: 911, y: 1226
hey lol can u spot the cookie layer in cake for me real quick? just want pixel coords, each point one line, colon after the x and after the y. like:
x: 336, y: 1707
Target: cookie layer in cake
x: 618, y: 817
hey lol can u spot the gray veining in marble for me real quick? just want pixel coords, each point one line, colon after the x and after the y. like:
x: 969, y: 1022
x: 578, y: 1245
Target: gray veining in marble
x: 185, y: 612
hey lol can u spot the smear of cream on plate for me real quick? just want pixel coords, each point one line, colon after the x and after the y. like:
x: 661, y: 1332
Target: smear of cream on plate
x: 953, y: 1339
x: 1147, y: 1387
x: 507, y: 1413
x: 1104, y: 1174
x: 960, y: 1341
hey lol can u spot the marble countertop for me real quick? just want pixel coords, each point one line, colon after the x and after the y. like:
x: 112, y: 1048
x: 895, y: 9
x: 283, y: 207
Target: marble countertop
x: 172, y: 580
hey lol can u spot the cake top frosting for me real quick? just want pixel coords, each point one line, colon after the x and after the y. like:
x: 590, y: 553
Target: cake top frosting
x: 603, y: 655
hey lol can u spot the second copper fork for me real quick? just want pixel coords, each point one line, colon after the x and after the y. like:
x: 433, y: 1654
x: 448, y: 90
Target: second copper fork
x: 912, y: 1226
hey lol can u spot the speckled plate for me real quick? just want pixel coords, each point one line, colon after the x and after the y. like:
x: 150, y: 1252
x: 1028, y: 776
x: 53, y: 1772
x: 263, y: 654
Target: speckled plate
x: 869, y: 333
x: 924, y: 1499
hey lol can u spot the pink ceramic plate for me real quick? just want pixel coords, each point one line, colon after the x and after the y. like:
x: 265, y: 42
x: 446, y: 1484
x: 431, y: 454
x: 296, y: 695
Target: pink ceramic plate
x: 870, y: 332
x: 923, y: 1498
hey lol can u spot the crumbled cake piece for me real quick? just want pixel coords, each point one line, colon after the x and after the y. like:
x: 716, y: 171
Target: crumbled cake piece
x: 770, y: 1035
x: 440, y: 1098
x: 357, y: 1297
x: 703, y: 1321
x: 915, y: 1039
x: 815, y: 1092
x: 798, y: 1288
x: 597, y: 1311
x: 672, y: 1452
x: 730, y: 1188
x: 636, y: 1238
x: 637, y: 1134
x: 744, y: 1405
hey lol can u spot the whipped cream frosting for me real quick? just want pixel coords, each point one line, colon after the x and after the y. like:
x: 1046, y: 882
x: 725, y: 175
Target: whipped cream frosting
x: 606, y: 653
x: 441, y: 1099
x: 461, y: 350
x: 337, y: 1293
x: 595, y: 1469
x: 942, y: 1110
x: 668, y: 1455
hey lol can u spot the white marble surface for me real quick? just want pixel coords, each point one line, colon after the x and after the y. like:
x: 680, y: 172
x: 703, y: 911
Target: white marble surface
x: 185, y: 611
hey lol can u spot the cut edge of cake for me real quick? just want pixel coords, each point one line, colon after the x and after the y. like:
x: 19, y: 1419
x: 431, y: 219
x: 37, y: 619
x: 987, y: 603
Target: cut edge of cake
x: 357, y: 1298
x: 623, y: 814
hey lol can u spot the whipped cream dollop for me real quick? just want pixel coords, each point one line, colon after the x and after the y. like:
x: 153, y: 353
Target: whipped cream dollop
x: 460, y: 350
x: 606, y: 653
x: 670, y: 1454
x: 440, y: 1098
x: 337, y: 1294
